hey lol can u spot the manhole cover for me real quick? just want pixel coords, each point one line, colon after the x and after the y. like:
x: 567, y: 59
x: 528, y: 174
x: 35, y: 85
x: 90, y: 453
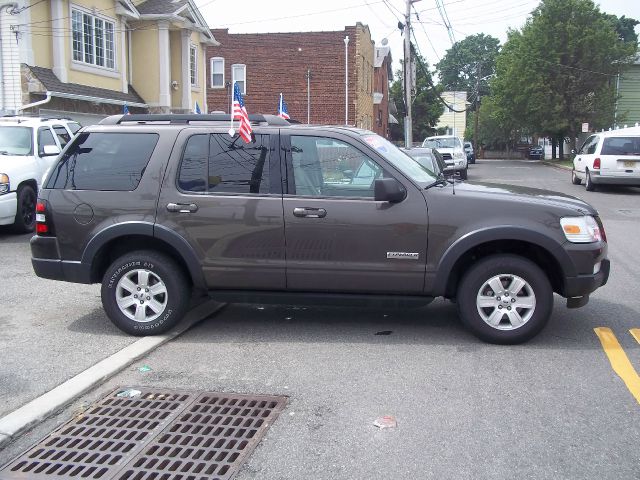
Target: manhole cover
x: 154, y: 435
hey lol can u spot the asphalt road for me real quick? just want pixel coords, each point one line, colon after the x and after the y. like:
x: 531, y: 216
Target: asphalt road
x: 552, y: 408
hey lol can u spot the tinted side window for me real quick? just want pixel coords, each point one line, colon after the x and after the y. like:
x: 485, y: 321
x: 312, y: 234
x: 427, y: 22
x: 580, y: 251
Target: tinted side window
x: 104, y: 161
x: 218, y: 163
x: 45, y: 137
x: 63, y: 134
x: 329, y: 167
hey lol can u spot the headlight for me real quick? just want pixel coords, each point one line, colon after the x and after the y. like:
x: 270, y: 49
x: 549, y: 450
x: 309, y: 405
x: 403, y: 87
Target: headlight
x: 581, y: 229
x: 458, y: 155
x: 4, y: 184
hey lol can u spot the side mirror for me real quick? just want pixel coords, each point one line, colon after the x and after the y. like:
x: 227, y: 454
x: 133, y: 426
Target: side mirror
x: 573, y: 151
x: 348, y: 174
x: 389, y: 190
x: 49, y: 150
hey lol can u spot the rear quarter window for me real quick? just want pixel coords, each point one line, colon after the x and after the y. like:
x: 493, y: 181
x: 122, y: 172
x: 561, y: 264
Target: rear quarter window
x: 104, y: 161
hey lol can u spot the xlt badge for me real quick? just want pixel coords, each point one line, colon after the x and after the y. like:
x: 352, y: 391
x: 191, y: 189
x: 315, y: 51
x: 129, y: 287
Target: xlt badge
x: 403, y: 255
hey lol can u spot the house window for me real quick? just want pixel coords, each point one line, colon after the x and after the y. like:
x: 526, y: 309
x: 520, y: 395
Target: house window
x: 239, y: 74
x: 193, y: 65
x: 217, y: 72
x: 93, y: 41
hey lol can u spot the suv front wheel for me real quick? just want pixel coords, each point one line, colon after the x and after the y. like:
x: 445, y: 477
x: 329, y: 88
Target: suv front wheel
x: 145, y: 293
x: 505, y: 299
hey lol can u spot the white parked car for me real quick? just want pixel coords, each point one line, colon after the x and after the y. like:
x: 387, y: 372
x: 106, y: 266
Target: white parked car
x: 28, y: 147
x: 453, y: 154
x: 611, y: 158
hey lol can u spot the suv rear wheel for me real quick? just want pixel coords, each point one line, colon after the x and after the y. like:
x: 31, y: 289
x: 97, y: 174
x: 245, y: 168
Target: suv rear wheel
x: 145, y: 293
x: 505, y: 299
x: 589, y: 186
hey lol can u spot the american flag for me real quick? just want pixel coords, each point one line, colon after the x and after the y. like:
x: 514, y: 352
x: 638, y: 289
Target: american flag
x: 240, y: 113
x: 283, y: 111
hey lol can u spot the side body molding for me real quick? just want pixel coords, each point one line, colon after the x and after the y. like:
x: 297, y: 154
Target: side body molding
x: 502, y: 233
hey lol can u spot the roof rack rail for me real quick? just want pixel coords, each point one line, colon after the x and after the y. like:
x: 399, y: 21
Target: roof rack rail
x: 186, y: 119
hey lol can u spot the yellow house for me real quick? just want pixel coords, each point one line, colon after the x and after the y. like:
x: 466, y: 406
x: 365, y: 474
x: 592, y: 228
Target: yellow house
x: 451, y: 120
x: 86, y: 59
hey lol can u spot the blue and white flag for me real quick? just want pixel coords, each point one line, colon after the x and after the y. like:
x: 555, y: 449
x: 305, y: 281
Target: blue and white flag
x: 283, y: 111
x: 196, y: 109
x: 125, y: 109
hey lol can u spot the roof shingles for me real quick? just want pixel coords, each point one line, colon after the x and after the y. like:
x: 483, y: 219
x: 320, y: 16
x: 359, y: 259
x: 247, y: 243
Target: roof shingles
x: 53, y: 84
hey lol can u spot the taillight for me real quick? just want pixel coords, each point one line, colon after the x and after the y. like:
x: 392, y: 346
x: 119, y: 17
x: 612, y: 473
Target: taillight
x: 596, y: 164
x: 42, y: 226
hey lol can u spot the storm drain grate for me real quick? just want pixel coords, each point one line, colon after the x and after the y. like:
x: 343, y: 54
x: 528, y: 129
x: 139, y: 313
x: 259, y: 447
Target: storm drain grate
x: 156, y: 435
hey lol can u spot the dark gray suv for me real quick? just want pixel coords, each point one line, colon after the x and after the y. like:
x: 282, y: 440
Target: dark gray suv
x: 156, y: 206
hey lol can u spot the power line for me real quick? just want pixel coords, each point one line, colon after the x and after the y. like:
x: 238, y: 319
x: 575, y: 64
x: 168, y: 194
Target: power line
x: 426, y: 34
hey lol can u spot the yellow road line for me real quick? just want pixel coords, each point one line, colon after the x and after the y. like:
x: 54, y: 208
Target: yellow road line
x: 636, y: 334
x: 619, y: 360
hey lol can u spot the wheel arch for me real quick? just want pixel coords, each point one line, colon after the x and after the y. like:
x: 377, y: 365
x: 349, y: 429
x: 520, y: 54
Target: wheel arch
x: 119, y: 239
x: 544, y: 251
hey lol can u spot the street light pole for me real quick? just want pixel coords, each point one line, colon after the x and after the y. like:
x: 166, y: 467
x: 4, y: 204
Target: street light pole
x: 308, y: 76
x: 408, y: 137
x: 346, y: 80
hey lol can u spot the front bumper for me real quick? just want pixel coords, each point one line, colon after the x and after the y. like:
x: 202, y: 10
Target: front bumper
x: 583, y: 285
x: 8, y: 208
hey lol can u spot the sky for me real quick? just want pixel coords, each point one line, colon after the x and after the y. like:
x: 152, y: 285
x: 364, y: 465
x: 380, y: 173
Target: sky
x: 466, y: 17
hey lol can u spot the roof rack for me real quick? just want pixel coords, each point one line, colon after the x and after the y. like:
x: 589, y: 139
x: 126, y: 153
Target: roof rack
x: 186, y: 119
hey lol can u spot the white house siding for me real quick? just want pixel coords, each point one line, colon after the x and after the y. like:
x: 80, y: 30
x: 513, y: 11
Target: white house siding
x: 10, y: 87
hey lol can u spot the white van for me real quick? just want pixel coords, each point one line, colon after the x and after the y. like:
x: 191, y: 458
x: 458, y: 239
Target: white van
x: 611, y: 158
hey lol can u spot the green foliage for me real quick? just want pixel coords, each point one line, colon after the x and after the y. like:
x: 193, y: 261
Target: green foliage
x: 559, y: 70
x: 426, y: 108
x: 458, y: 69
x: 625, y: 28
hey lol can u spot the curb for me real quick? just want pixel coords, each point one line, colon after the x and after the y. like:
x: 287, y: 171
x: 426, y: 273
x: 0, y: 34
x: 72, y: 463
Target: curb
x: 555, y: 165
x: 47, y: 404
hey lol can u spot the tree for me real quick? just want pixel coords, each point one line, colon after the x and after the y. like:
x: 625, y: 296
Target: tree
x: 468, y: 64
x: 426, y: 108
x: 559, y: 70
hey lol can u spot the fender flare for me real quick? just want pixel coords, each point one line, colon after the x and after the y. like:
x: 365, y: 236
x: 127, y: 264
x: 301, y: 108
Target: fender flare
x: 477, y: 237
x: 148, y: 229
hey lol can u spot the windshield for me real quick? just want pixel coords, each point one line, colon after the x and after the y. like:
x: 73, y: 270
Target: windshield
x: 441, y: 142
x: 15, y: 140
x: 399, y: 159
x: 621, y: 146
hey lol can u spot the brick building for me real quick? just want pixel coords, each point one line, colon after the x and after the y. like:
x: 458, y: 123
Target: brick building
x: 267, y: 64
x: 382, y: 73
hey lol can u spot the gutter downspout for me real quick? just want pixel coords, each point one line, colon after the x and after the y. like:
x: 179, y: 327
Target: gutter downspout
x: 34, y: 104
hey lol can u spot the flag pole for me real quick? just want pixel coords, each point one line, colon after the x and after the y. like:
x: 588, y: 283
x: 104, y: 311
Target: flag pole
x: 231, y: 130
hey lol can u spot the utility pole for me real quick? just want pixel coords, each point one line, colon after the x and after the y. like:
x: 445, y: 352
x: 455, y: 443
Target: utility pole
x: 475, y: 126
x: 308, y: 77
x: 408, y: 76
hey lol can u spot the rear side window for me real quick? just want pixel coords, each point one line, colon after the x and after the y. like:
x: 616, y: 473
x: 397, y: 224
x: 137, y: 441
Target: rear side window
x: 218, y: 163
x: 104, y: 161
x: 621, y: 146
x: 589, y: 146
x: 63, y: 135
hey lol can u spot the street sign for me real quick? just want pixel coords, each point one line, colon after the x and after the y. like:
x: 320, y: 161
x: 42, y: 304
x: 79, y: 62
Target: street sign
x: 585, y: 127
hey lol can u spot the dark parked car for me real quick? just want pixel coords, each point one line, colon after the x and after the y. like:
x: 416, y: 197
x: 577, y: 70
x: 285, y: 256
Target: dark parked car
x: 155, y: 206
x: 536, y: 153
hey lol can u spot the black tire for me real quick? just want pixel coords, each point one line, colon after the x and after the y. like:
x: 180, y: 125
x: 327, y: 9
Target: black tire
x: 25, y: 220
x: 476, y: 278
x: 160, y: 270
x: 574, y: 178
x: 463, y: 174
x: 589, y: 186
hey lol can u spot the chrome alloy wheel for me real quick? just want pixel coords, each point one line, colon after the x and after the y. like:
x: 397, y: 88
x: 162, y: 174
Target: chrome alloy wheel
x: 506, y: 302
x: 141, y: 295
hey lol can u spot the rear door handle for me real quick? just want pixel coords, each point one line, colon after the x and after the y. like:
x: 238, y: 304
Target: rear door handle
x: 309, y: 212
x: 182, y: 207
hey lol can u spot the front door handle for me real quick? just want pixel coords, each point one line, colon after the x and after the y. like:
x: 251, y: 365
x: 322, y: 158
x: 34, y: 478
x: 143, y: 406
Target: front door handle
x: 182, y: 207
x: 309, y: 212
